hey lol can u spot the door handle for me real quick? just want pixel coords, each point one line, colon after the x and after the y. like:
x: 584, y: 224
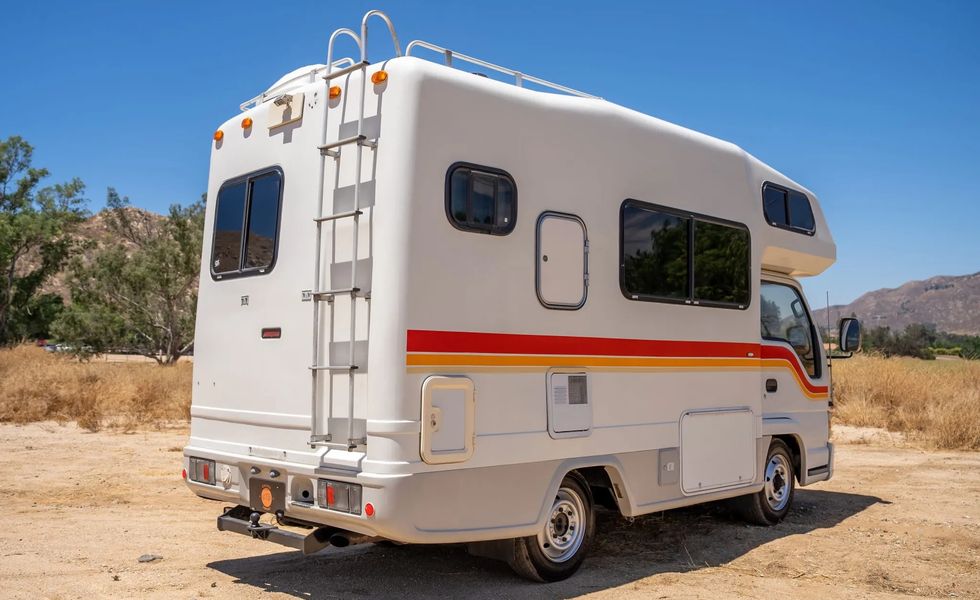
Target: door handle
x: 771, y: 385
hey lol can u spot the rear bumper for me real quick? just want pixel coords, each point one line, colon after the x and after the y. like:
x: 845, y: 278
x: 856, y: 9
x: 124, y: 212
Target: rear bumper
x: 430, y: 507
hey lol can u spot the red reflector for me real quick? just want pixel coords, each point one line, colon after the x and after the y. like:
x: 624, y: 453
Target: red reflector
x: 369, y: 509
x: 207, y: 471
x: 183, y: 473
x: 271, y: 333
x: 330, y: 499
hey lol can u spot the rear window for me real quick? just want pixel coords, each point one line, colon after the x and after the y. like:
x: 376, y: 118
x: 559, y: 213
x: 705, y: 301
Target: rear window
x: 246, y: 225
x: 481, y: 199
x: 787, y: 208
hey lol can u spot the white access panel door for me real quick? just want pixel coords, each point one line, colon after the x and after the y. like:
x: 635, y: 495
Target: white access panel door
x: 448, y: 419
x: 717, y: 450
x: 561, y: 271
x: 569, y: 404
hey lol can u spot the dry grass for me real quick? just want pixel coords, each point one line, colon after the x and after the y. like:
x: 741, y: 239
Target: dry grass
x: 933, y: 402
x: 36, y: 386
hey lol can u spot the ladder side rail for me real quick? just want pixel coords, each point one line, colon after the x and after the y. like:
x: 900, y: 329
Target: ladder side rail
x: 364, y: 32
x: 317, y: 262
x: 518, y: 76
x: 356, y: 224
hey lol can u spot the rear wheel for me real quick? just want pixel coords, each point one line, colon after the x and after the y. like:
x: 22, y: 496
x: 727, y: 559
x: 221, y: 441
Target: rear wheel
x: 770, y: 505
x: 557, y: 551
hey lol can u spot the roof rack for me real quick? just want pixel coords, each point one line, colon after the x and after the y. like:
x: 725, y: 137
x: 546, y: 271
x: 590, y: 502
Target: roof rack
x: 345, y: 65
x: 519, y: 77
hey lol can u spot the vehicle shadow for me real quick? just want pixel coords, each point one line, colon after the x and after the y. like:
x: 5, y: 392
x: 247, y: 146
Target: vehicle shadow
x: 676, y: 541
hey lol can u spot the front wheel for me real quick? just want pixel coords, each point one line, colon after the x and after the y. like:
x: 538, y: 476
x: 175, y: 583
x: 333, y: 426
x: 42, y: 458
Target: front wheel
x: 557, y: 551
x: 770, y: 505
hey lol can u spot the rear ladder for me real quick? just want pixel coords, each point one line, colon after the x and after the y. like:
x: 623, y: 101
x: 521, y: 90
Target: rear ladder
x: 353, y: 291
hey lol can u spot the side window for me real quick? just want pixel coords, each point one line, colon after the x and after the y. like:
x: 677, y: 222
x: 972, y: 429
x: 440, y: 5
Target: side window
x: 787, y: 209
x: 246, y: 225
x: 785, y: 318
x: 481, y: 199
x: 674, y: 256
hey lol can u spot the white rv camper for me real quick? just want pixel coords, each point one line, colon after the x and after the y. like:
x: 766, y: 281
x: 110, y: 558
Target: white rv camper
x: 437, y: 307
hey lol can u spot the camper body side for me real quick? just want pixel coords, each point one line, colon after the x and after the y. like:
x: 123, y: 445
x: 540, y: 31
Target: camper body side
x: 677, y: 407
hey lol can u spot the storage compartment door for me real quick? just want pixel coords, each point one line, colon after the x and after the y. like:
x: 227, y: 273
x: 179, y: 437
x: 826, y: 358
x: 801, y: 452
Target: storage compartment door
x: 562, y: 261
x: 717, y: 450
x: 448, y: 415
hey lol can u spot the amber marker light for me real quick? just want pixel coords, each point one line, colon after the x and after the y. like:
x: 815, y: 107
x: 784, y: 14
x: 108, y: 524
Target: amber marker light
x: 218, y: 135
x: 247, y: 123
x: 334, y: 92
x: 379, y: 77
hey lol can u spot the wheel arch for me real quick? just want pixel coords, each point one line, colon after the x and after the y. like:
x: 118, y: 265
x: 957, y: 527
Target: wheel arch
x: 604, y: 476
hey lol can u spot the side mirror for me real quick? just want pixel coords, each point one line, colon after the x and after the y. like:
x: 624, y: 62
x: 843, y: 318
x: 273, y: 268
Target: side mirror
x: 849, y: 337
x: 799, y: 339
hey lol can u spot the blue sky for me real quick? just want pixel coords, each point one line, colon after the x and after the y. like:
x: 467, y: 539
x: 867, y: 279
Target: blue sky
x: 873, y: 105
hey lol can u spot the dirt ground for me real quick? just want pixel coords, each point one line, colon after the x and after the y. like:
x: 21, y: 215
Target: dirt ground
x: 81, y: 508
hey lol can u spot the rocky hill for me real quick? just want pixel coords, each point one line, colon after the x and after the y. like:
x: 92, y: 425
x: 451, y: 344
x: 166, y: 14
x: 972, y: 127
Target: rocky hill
x: 950, y: 303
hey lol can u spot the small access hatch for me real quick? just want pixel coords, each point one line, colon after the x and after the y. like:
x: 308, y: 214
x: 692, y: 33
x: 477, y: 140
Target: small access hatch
x: 448, y: 419
x: 569, y: 404
x: 561, y: 270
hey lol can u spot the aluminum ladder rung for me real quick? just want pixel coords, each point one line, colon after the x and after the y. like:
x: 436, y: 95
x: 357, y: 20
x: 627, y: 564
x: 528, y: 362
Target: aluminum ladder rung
x: 333, y: 368
x: 346, y: 70
x: 328, y: 295
x: 360, y: 140
x: 340, y: 215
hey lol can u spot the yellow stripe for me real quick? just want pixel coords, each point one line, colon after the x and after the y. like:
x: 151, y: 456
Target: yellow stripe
x: 421, y: 362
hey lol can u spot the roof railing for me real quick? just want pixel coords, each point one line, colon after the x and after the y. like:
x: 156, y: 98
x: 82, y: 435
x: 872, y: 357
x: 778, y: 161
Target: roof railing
x: 519, y: 77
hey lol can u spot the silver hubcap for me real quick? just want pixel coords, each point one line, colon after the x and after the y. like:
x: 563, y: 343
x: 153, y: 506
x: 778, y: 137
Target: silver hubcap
x: 565, y: 529
x: 778, y: 482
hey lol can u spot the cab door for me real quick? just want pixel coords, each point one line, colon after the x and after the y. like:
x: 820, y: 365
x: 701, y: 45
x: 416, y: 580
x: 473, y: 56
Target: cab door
x: 794, y: 372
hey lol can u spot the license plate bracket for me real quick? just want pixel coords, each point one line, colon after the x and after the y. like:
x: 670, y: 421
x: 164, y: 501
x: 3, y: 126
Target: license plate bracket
x: 266, y: 496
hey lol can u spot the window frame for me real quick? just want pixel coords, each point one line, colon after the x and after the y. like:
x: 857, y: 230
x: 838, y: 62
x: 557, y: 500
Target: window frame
x: 789, y: 215
x: 487, y: 230
x: 246, y: 218
x: 691, y: 216
x: 815, y: 341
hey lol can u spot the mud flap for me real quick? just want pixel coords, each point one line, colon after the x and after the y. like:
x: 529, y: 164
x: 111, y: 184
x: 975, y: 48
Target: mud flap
x: 498, y: 549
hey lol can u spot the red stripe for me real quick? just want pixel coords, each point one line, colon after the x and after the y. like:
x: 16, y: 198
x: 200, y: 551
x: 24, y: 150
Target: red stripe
x: 512, y: 343
x: 787, y: 354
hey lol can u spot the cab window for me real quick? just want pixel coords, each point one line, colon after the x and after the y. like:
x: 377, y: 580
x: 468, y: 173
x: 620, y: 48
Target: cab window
x: 785, y: 319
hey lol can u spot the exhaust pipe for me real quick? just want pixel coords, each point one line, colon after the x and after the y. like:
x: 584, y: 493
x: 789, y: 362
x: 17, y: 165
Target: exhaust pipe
x: 342, y: 539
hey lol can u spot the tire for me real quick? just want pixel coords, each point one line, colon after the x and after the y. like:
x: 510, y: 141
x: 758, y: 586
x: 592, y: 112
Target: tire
x: 558, y: 550
x: 771, y: 504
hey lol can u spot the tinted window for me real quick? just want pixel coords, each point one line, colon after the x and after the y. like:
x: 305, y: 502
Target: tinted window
x: 228, y: 220
x: 672, y: 255
x: 721, y: 263
x: 655, y: 253
x: 481, y: 199
x: 787, y: 208
x: 800, y: 213
x: 775, y: 205
x: 263, y: 221
x: 247, y: 210
x: 785, y: 318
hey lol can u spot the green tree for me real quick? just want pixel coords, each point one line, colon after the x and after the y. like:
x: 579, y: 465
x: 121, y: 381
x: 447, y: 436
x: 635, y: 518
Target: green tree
x: 35, y: 240
x: 139, y: 296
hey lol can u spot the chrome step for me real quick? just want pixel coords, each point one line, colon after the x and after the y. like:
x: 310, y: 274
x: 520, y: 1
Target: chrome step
x: 360, y: 140
x: 329, y: 295
x: 333, y: 368
x: 346, y: 70
x: 341, y: 215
